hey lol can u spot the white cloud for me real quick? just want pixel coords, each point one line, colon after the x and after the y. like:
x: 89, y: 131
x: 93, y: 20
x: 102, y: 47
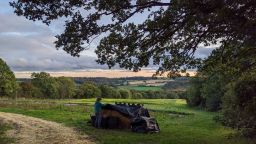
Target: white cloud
x: 27, y: 45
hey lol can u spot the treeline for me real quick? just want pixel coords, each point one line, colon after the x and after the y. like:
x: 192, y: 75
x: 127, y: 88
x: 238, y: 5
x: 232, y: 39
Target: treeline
x: 108, y: 81
x: 227, y: 83
x: 42, y: 85
x: 177, y: 85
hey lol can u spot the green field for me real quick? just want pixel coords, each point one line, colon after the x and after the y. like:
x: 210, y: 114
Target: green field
x: 179, y: 124
x: 141, y: 88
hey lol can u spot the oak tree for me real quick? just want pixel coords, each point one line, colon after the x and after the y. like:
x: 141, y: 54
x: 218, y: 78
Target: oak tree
x: 168, y: 36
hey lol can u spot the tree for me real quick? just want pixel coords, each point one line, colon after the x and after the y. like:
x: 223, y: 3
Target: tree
x: 66, y: 88
x: 48, y: 85
x: 230, y: 84
x: 106, y: 91
x: 125, y: 93
x: 8, y: 85
x: 169, y: 35
x: 195, y: 97
x: 109, y: 92
x: 212, y: 91
x: 88, y: 90
x: 28, y: 90
x: 239, y: 104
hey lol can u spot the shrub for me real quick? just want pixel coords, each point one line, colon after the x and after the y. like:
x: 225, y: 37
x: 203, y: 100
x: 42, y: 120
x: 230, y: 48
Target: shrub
x: 28, y: 90
x: 194, y: 97
x: 125, y: 94
x: 212, y: 90
x: 239, y: 104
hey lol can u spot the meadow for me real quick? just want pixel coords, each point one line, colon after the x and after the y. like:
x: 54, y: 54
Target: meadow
x: 179, y: 123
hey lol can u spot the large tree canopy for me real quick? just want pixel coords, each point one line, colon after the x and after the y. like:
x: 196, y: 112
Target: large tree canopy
x: 169, y: 35
x: 8, y: 86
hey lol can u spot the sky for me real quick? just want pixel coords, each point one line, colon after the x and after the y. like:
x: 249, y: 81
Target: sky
x: 27, y: 46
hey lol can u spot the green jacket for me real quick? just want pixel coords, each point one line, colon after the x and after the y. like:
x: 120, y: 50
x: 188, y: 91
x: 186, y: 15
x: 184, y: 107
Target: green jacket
x: 97, y: 106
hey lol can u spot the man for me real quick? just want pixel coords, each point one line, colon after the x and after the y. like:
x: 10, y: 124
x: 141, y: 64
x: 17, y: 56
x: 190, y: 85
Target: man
x: 97, y: 109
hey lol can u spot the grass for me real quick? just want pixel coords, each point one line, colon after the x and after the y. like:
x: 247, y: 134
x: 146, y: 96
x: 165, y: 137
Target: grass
x: 179, y: 124
x: 141, y: 88
x: 3, y: 138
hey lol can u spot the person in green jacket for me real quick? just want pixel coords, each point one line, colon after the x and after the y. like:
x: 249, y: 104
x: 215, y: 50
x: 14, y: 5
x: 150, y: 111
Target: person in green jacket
x: 97, y: 109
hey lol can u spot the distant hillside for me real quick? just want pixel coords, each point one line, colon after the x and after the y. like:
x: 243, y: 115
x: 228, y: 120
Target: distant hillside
x: 177, y: 84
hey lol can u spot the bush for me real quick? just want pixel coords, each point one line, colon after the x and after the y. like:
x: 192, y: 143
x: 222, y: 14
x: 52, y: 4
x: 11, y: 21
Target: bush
x: 28, y: 90
x: 125, y: 94
x: 194, y: 96
x: 239, y: 104
x: 172, y: 95
x: 212, y: 90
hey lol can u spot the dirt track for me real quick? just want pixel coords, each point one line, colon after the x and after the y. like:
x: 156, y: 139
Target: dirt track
x: 29, y: 130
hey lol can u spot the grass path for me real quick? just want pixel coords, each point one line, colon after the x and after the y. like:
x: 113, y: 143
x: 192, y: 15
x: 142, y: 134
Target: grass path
x: 4, y: 139
x: 29, y: 130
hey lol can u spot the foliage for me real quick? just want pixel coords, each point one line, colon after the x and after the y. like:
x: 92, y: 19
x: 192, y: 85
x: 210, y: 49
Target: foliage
x: 66, y: 88
x: 136, y: 94
x: 47, y: 85
x: 194, y: 96
x: 177, y: 85
x: 175, y: 95
x: 212, y: 90
x: 109, y: 92
x: 28, y: 90
x: 222, y: 67
x: 88, y: 90
x: 169, y: 33
x: 229, y: 83
x: 239, y: 104
x: 43, y: 85
x: 8, y: 85
x: 125, y: 94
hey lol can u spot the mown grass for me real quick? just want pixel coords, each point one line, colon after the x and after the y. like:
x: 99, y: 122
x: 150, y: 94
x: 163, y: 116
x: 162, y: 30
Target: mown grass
x: 141, y: 88
x: 3, y: 138
x: 179, y: 124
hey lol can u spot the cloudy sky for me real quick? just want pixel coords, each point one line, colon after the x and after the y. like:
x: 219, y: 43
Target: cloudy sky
x: 28, y: 46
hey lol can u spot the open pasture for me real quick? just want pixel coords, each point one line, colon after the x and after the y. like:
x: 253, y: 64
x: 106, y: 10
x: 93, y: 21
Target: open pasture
x: 179, y: 123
